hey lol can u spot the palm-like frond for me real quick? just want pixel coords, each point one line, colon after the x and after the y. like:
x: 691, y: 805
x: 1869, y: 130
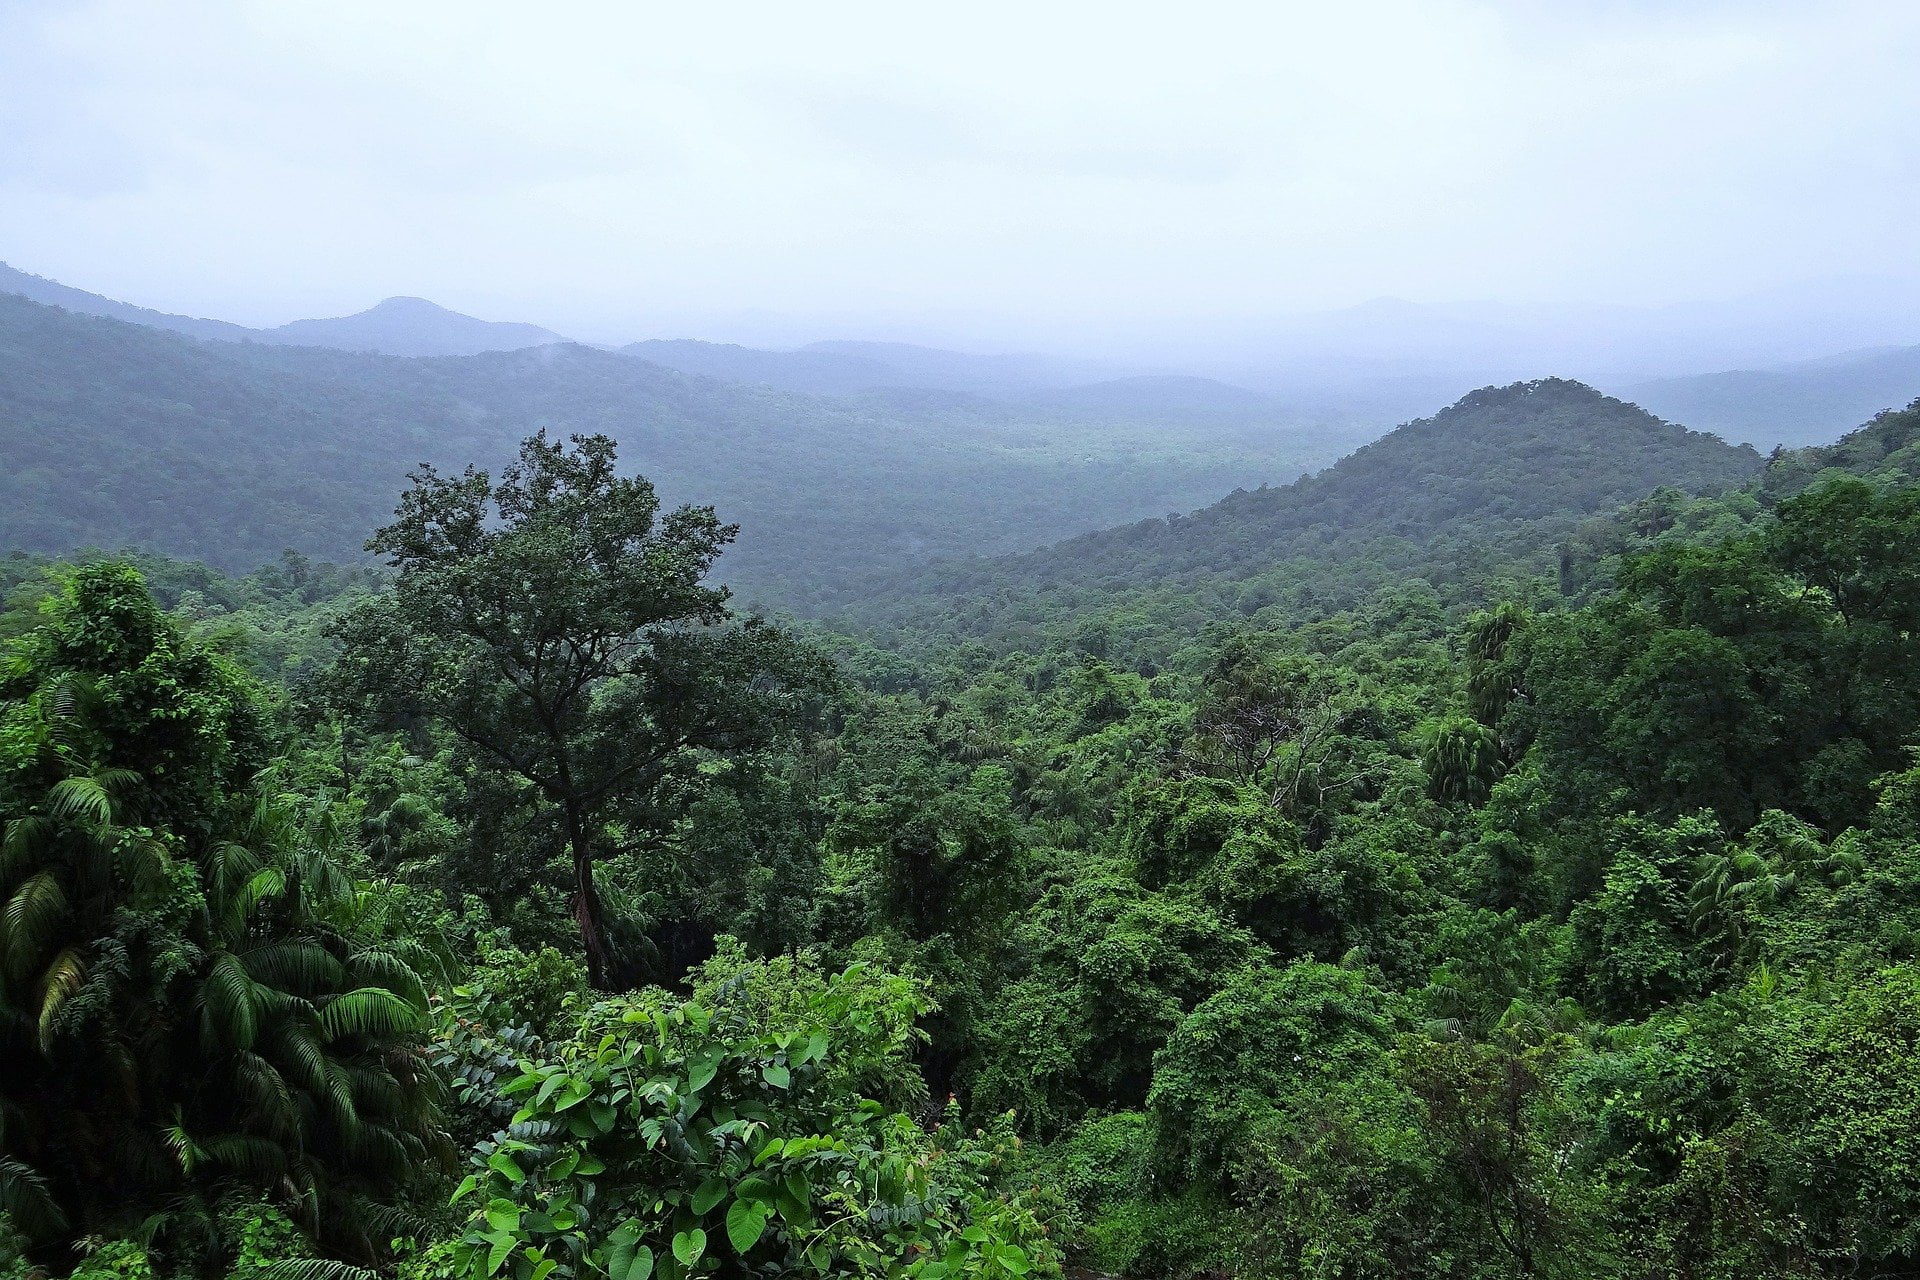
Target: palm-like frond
x: 258, y: 1158
x: 232, y: 864
x: 63, y: 977
x: 32, y: 918
x: 26, y: 842
x: 294, y: 964
x: 380, y: 966
x: 268, y: 1098
x: 368, y: 1011
x: 229, y: 1005
x: 298, y: 1053
x: 86, y: 799
x: 316, y: 1269
x: 25, y: 1198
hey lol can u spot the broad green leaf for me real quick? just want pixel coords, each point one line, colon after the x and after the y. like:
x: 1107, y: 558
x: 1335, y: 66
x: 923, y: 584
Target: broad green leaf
x: 776, y: 1075
x: 689, y: 1245
x: 502, y: 1163
x: 503, y: 1215
x: 745, y: 1221
x: 701, y: 1070
x: 627, y: 1258
x: 710, y: 1193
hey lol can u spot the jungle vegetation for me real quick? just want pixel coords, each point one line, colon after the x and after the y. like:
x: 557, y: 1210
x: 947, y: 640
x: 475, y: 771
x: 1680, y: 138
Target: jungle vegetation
x: 1497, y: 857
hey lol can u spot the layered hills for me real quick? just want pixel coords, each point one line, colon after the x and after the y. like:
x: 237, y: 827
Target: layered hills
x: 117, y: 434
x: 398, y: 326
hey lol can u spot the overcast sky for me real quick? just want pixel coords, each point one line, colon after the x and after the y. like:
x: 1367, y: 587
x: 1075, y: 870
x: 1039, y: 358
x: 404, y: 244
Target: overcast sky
x: 1005, y: 171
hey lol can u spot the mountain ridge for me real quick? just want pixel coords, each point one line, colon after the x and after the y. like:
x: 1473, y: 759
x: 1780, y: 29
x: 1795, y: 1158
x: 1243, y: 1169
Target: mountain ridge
x: 401, y: 326
x: 119, y: 433
x: 1494, y: 477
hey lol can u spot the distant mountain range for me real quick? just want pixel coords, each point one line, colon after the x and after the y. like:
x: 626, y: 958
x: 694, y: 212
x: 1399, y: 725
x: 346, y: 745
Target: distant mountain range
x: 1362, y: 368
x: 116, y: 434
x: 1810, y: 402
x: 396, y: 327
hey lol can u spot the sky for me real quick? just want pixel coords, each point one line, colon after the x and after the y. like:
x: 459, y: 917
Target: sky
x: 1070, y: 176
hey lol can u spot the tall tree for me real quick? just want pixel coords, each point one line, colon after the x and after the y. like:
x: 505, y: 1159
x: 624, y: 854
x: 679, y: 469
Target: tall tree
x: 562, y: 629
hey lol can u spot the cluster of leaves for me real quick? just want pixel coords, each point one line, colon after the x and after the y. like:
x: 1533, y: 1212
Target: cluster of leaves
x: 750, y: 1129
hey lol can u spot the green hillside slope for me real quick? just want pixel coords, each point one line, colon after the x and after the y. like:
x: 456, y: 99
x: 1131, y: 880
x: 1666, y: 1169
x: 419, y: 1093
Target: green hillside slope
x: 1486, y: 485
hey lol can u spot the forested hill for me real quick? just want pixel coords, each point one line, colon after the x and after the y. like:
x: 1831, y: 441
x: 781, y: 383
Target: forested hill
x: 1487, y: 484
x: 115, y: 434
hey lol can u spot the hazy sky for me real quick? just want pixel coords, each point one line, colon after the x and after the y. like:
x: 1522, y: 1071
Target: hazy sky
x: 629, y: 169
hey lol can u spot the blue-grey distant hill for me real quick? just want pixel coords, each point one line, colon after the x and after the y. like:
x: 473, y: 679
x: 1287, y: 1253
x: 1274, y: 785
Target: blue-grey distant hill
x: 396, y: 327
x: 413, y: 327
x: 1811, y: 402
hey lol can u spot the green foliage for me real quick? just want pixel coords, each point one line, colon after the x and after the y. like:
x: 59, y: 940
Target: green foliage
x: 732, y: 1132
x: 559, y: 626
x: 191, y: 995
x: 1395, y: 881
x: 1483, y: 488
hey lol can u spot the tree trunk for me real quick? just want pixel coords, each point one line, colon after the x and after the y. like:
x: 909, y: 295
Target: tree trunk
x: 589, y: 913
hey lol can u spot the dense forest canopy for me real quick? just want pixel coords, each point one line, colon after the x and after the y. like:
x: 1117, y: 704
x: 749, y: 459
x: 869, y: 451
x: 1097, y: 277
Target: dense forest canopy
x: 1495, y: 855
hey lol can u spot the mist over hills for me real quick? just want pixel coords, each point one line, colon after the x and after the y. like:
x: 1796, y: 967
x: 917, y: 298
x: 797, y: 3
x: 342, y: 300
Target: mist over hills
x: 847, y: 367
x: 118, y: 434
x: 1808, y: 402
x: 397, y: 326
x: 1739, y: 368
x: 54, y: 294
